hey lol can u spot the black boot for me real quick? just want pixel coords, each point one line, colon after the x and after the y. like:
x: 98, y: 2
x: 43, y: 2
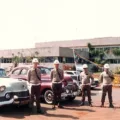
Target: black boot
x: 82, y: 104
x: 60, y: 106
x: 53, y: 104
x: 102, y: 105
x: 111, y: 106
x: 90, y: 104
x: 40, y: 111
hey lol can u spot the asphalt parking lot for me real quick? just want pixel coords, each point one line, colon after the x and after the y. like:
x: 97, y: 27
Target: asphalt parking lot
x: 72, y: 110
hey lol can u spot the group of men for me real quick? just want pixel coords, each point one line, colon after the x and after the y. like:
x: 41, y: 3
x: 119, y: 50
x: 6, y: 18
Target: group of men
x: 57, y: 76
x: 34, y: 81
x: 106, y: 78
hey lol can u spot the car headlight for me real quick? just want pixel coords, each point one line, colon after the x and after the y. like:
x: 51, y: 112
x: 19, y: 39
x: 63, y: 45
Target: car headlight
x: 67, y: 91
x: 24, y: 87
x: 7, y: 96
x: 2, y: 88
x: 63, y: 85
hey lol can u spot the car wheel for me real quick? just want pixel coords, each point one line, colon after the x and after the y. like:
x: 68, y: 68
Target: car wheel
x: 71, y: 98
x: 48, y: 96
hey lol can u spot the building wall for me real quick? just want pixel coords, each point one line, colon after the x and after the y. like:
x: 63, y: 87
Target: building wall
x: 65, y: 52
x: 113, y: 67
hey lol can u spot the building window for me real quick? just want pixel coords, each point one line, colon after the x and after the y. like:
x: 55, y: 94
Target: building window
x: 69, y: 60
x: 113, y: 61
x: 60, y: 59
x: 49, y: 59
x: 118, y: 61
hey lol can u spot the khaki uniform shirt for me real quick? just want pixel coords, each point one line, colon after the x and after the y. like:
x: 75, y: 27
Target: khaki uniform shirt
x: 86, y: 79
x: 57, y: 76
x: 32, y: 77
x: 106, y: 78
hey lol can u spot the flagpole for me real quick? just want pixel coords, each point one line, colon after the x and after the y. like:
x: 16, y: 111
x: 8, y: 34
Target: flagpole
x: 75, y: 62
x: 74, y: 58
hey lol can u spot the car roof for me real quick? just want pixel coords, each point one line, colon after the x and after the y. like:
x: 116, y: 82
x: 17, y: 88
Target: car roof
x: 69, y: 71
x: 28, y: 66
x: 2, y: 69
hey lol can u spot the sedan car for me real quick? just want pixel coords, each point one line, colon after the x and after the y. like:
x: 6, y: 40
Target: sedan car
x: 13, y: 91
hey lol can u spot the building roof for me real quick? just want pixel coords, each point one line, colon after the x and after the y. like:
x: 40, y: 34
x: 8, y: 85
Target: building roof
x: 106, y: 41
x: 41, y: 52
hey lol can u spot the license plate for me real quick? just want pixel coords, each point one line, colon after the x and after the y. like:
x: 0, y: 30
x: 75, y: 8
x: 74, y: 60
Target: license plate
x: 25, y: 102
x: 75, y: 93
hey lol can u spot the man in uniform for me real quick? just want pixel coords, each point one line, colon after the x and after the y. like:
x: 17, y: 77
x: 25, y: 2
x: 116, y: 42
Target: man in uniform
x: 86, y: 80
x: 34, y: 80
x: 106, y: 77
x: 57, y: 77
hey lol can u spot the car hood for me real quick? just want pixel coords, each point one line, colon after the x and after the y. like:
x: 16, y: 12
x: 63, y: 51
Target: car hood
x: 8, y: 81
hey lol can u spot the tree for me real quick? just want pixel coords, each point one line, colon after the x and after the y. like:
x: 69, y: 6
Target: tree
x: 28, y: 59
x: 36, y: 53
x: 116, y: 51
x: 15, y: 61
x: 90, y: 47
x: 96, y: 55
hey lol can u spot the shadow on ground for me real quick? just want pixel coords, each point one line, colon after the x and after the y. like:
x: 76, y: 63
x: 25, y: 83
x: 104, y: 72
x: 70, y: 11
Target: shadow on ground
x: 14, y: 111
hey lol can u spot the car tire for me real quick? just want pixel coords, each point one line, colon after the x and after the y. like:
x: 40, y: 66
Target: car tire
x: 48, y: 96
x: 71, y: 98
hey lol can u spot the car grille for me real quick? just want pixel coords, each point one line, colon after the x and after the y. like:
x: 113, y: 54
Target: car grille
x: 95, y: 83
x: 21, y: 94
x: 74, y: 77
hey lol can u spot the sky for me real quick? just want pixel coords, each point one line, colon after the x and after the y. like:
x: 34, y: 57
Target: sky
x: 25, y: 22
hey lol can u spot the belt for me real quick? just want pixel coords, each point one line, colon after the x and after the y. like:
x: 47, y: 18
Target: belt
x: 34, y: 84
x: 57, y: 82
x: 85, y: 84
x: 106, y: 84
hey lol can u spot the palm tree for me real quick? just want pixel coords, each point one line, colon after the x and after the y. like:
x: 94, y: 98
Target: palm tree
x: 28, y: 59
x: 36, y: 53
x: 16, y: 61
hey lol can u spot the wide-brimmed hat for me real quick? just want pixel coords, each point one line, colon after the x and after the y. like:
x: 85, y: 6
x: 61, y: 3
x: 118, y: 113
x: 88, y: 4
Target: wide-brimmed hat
x: 56, y: 62
x: 85, y: 66
x: 35, y: 60
x: 106, y: 66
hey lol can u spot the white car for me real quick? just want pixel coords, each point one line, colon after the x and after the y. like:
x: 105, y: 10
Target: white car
x: 74, y: 74
x: 13, y: 91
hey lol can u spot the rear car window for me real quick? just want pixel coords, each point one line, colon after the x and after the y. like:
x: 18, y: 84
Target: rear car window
x: 16, y: 72
x: 24, y: 72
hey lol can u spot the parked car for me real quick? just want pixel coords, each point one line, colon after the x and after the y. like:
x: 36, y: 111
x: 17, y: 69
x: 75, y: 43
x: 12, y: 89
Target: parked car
x: 70, y: 89
x: 73, y: 74
x: 2, y: 72
x: 76, y: 78
x: 13, y: 91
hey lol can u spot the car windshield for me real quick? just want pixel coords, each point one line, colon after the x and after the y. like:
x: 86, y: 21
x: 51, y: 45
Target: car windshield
x: 2, y: 73
x: 45, y: 70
